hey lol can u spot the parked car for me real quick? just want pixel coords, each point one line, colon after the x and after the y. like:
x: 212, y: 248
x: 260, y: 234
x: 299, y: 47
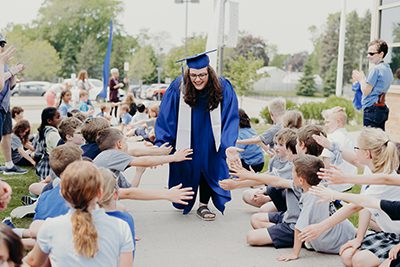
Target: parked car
x: 34, y: 88
x: 143, y: 90
x: 156, y: 91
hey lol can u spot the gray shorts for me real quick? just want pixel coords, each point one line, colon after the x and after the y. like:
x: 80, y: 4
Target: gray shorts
x: 5, y: 123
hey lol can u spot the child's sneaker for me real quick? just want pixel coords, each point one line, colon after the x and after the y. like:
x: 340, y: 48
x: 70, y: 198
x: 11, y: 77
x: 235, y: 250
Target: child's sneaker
x: 28, y: 200
x: 23, y: 211
x: 14, y: 170
x: 7, y: 221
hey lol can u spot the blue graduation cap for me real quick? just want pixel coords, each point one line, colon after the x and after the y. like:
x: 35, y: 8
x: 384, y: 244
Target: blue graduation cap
x: 197, y: 61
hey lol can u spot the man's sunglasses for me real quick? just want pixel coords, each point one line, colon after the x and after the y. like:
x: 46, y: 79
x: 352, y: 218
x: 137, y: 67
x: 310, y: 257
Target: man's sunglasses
x: 2, y: 44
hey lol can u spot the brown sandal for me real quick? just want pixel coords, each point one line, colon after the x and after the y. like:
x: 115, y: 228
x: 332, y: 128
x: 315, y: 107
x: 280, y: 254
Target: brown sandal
x: 205, y: 214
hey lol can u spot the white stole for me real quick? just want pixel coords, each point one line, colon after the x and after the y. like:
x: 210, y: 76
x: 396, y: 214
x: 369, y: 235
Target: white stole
x: 183, y: 135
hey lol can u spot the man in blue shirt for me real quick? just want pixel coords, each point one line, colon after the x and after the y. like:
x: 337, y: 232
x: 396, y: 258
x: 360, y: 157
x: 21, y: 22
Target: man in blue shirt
x: 5, y: 115
x: 375, y: 86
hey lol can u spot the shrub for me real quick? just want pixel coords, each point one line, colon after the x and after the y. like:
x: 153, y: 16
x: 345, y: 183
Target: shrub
x: 313, y: 110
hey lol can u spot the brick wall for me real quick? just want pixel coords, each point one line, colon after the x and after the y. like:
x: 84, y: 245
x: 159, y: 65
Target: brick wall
x: 393, y: 124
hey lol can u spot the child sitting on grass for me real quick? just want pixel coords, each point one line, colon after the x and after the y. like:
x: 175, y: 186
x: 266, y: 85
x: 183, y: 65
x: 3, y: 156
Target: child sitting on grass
x: 86, y: 235
x: 19, y: 138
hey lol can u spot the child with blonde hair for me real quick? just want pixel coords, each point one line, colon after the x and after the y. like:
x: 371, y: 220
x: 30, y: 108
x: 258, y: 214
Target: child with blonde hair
x: 110, y: 197
x: 86, y: 235
x: 377, y: 154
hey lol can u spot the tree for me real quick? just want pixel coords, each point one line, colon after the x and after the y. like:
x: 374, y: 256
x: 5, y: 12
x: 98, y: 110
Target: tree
x: 196, y: 44
x: 279, y: 60
x: 329, y: 43
x: 41, y: 60
x: 88, y: 58
x: 67, y: 24
x: 242, y: 72
x: 307, y: 86
x: 143, y: 65
x: 256, y: 46
x: 329, y: 82
x: 296, y: 61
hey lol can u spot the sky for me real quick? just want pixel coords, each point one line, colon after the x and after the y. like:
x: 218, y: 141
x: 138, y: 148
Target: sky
x: 284, y: 23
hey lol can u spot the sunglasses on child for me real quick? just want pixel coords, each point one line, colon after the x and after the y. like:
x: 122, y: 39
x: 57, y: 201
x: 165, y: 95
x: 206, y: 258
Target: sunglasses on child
x: 373, y: 53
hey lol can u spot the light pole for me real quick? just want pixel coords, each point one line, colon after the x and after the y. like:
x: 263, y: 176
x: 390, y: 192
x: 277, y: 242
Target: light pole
x: 186, y: 18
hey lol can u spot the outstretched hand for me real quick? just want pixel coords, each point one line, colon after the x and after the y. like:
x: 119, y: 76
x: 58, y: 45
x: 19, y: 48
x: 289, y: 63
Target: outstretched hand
x: 232, y: 155
x: 228, y: 184
x: 178, y: 195
x: 183, y: 154
x: 165, y: 149
x: 324, y: 193
x: 333, y: 175
x: 236, y: 169
x: 322, y: 140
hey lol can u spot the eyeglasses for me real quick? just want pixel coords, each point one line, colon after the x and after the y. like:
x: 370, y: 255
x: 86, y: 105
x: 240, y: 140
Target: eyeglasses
x: 3, y: 44
x: 373, y: 53
x: 201, y: 76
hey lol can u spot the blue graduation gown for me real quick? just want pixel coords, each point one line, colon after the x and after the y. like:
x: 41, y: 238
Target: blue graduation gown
x: 205, y: 159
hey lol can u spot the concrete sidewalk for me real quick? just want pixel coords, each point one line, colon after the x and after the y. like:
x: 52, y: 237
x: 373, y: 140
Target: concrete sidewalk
x: 169, y: 238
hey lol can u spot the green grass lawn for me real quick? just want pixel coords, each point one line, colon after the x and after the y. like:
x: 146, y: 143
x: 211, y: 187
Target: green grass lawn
x: 19, y: 185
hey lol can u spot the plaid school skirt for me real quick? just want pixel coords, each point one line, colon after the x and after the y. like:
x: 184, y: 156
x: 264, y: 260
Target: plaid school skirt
x: 380, y: 243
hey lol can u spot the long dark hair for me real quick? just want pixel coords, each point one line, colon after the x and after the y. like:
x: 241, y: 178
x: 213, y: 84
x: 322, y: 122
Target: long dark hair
x: 213, y: 87
x: 63, y: 93
x: 244, y: 120
x: 21, y: 127
x: 13, y: 244
x: 47, y: 114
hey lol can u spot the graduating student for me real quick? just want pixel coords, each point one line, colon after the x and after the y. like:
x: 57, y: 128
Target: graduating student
x: 200, y: 111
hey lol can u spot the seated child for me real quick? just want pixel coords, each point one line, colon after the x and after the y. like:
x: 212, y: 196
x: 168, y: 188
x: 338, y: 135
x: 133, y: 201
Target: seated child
x: 377, y: 154
x: 276, y: 108
x: 126, y: 118
x: 279, y: 165
x: 106, y: 241
x: 84, y: 106
x: 109, y: 200
x: 252, y: 155
x: 280, y: 225
x: 17, y: 114
x: 19, y: 138
x: 48, y: 138
x: 70, y: 131
x: 335, y: 122
x: 312, y: 211
x: 113, y: 145
x: 104, y: 111
x: 89, y: 131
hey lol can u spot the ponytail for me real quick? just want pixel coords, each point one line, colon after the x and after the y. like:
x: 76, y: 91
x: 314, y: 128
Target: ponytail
x: 80, y: 185
x: 84, y: 233
x: 384, y: 154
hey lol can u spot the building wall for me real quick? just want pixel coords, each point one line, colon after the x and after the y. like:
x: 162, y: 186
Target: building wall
x: 393, y: 124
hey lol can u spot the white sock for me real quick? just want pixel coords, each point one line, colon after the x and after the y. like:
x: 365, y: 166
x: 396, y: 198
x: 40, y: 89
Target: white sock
x: 9, y: 164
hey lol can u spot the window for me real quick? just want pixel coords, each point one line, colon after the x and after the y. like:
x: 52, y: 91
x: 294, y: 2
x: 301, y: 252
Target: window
x: 385, y: 2
x: 393, y: 58
x: 390, y: 25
